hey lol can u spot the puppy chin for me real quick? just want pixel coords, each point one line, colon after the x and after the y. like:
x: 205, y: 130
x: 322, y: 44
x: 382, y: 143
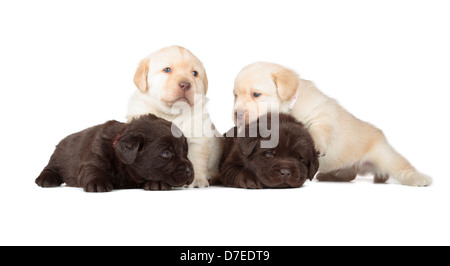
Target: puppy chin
x: 180, y: 181
x: 274, y: 181
x: 173, y: 182
x: 171, y: 102
x: 192, y: 99
x: 179, y: 184
x: 174, y: 98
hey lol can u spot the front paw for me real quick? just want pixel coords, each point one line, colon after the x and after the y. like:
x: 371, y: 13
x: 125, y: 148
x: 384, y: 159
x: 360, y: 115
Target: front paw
x: 98, y: 185
x: 48, y: 179
x: 199, y: 182
x: 250, y: 183
x: 156, y: 185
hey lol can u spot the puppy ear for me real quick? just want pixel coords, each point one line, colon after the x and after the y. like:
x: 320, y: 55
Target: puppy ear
x: 287, y: 82
x: 313, y: 167
x: 128, y: 148
x: 247, y: 145
x: 140, y: 77
x: 205, y: 83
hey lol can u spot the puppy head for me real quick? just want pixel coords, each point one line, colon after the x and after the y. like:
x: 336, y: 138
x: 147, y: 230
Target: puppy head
x: 290, y: 163
x: 258, y: 86
x: 171, y: 75
x: 151, y: 153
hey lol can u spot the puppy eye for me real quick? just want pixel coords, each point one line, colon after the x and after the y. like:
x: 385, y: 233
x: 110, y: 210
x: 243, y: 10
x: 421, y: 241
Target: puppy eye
x: 256, y: 94
x: 195, y: 73
x: 269, y: 154
x: 167, y: 70
x: 166, y: 154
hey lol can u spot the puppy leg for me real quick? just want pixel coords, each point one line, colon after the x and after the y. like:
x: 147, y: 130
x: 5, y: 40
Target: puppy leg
x: 389, y: 162
x: 49, y: 177
x: 380, y: 178
x: 321, y: 133
x: 341, y: 175
x: 93, y: 179
x: 214, y: 157
x: 198, y: 154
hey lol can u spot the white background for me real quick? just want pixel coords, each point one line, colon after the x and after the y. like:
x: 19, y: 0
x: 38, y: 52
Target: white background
x: 68, y: 65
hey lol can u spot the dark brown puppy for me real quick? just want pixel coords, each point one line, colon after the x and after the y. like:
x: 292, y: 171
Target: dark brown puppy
x: 244, y: 164
x: 114, y: 155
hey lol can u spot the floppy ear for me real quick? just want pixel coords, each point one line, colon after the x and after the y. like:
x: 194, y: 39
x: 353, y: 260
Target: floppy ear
x: 128, y: 147
x: 247, y: 145
x: 205, y: 83
x: 287, y: 82
x: 140, y: 77
x: 313, y: 167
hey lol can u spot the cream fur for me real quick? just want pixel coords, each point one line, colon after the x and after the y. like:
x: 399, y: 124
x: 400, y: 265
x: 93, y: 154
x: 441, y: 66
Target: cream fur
x: 159, y: 91
x: 351, y: 146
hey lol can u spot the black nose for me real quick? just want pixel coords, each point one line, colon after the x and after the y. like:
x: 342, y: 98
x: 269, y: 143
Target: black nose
x: 185, y: 86
x: 188, y: 172
x: 286, y: 173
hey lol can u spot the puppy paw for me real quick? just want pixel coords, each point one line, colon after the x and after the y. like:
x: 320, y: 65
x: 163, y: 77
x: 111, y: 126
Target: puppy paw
x: 199, y: 183
x: 336, y: 176
x: 98, y: 185
x: 416, y: 179
x: 250, y: 183
x: 156, y: 185
x: 380, y: 178
x: 48, y: 179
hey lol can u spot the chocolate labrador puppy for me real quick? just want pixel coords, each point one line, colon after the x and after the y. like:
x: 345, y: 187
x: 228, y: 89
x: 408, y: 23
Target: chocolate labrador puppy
x: 114, y: 155
x: 246, y: 164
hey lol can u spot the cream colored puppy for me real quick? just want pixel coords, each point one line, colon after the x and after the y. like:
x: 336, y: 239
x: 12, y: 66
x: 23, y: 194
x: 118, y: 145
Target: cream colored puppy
x: 349, y: 146
x: 172, y: 84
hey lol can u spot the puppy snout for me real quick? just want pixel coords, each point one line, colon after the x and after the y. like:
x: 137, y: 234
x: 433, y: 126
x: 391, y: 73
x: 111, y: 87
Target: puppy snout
x: 285, y: 173
x: 239, y: 115
x: 188, y: 172
x: 184, y: 86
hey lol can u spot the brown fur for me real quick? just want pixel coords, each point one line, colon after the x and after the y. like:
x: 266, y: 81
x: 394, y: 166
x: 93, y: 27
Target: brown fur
x: 114, y: 155
x: 244, y: 164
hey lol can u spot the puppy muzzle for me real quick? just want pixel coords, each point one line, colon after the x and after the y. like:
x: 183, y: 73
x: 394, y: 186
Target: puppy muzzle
x: 183, y: 176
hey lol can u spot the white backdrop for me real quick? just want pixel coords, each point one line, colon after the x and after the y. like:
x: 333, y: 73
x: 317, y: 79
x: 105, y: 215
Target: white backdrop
x: 68, y: 65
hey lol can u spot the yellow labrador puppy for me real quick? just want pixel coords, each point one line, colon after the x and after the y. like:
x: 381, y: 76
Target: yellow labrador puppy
x: 172, y: 84
x: 348, y: 145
